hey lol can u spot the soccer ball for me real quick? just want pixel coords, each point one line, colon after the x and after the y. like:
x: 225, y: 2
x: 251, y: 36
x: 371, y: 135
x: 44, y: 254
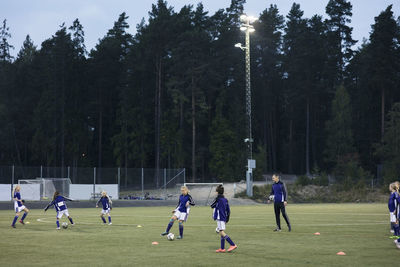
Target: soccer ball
x: 271, y: 197
x: 170, y: 236
x: 64, y: 225
x: 217, y: 230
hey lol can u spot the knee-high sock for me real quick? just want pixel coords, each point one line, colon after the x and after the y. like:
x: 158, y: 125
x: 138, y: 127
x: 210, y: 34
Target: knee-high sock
x: 222, y: 242
x: 24, y: 216
x: 396, y: 229
x: 277, y: 215
x: 227, y: 238
x: 15, y: 220
x: 181, y: 229
x: 58, y: 224
x: 102, y: 218
x: 171, y: 222
x: 70, y: 219
x: 109, y: 219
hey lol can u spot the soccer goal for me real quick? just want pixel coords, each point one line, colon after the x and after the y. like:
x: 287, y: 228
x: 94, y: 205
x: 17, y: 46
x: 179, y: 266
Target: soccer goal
x: 49, y: 185
x: 202, y: 193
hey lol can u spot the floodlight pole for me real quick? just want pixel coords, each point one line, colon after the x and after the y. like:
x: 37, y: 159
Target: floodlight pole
x: 246, y: 24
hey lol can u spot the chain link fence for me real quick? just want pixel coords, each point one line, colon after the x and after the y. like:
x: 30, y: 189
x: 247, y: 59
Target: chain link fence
x: 133, y: 183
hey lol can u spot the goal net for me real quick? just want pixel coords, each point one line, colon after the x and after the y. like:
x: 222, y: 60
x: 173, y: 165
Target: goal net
x: 49, y: 185
x: 202, y: 193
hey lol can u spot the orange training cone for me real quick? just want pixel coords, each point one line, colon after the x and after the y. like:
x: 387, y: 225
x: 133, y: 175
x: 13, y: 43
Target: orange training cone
x: 317, y: 233
x: 154, y: 243
x: 341, y: 253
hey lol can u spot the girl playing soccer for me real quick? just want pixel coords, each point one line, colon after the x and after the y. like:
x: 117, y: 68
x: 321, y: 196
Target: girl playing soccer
x: 19, y: 206
x: 106, y: 202
x: 221, y: 215
x: 393, y: 207
x: 61, y: 208
x: 181, y: 212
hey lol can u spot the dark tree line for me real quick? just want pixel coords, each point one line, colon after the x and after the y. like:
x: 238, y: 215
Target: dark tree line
x: 173, y: 94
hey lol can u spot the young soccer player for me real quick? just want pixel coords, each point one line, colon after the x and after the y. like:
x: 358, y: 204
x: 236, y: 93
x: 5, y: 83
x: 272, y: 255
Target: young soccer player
x: 106, y: 202
x: 19, y: 206
x: 393, y: 208
x: 278, y: 191
x: 61, y: 208
x: 221, y: 215
x: 181, y: 212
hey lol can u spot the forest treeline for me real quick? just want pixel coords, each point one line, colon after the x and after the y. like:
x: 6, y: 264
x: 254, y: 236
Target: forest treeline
x: 173, y: 94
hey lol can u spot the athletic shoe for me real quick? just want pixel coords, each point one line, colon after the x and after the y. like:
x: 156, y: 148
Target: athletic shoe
x: 397, y: 244
x: 290, y: 228
x: 13, y: 226
x: 232, y: 248
x: 277, y: 230
x: 109, y: 223
x: 21, y: 221
x: 179, y: 237
x: 58, y: 228
x: 72, y: 224
x: 220, y: 250
x: 165, y: 233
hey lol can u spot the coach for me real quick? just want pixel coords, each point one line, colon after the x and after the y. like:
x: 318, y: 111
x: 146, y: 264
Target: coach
x: 279, y: 195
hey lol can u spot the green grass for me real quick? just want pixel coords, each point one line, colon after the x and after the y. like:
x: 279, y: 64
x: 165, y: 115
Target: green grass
x: 360, y: 230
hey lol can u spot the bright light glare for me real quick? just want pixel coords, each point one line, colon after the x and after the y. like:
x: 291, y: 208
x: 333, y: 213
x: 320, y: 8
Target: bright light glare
x: 243, y: 17
x: 242, y: 28
x: 238, y: 45
x: 251, y: 30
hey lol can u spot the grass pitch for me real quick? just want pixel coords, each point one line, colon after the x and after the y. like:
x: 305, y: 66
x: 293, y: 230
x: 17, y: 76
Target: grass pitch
x: 360, y: 230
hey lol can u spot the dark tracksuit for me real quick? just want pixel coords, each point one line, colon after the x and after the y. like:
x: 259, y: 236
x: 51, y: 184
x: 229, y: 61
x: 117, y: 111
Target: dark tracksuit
x: 280, y: 196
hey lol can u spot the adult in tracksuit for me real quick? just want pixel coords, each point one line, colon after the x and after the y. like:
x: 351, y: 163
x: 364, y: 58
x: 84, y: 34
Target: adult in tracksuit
x: 279, y: 194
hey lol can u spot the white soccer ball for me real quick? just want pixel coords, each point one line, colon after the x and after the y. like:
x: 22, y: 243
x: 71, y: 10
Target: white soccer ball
x: 217, y: 230
x: 170, y: 236
x: 64, y: 225
x: 271, y: 197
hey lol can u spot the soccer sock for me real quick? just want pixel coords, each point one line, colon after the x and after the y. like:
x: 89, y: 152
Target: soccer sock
x: 171, y: 222
x: 396, y: 229
x: 70, y: 219
x: 24, y: 216
x: 180, y: 229
x: 229, y: 240
x: 15, y: 220
x: 109, y: 219
x: 222, y: 242
x: 104, y: 220
x: 58, y: 224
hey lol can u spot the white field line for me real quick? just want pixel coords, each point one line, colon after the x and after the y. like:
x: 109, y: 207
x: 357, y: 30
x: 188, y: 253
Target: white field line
x: 45, y: 220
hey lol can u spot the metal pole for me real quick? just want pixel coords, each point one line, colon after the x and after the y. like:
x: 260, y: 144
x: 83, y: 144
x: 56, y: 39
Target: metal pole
x: 119, y: 180
x: 94, y: 182
x: 68, y: 170
x: 165, y: 182
x: 249, y: 176
x: 142, y: 182
x: 41, y: 171
x: 184, y: 175
x: 12, y: 180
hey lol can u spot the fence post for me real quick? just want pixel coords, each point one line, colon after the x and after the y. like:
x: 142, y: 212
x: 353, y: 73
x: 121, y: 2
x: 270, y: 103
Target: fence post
x: 12, y: 180
x: 68, y: 172
x: 41, y: 171
x: 94, y: 182
x: 119, y: 180
x: 165, y: 182
x: 142, y: 182
x: 184, y: 175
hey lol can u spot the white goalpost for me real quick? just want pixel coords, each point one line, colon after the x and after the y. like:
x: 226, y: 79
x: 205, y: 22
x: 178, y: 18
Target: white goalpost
x: 202, y: 193
x: 48, y: 186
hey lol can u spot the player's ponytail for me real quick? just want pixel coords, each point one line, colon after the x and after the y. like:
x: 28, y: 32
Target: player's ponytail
x: 56, y: 194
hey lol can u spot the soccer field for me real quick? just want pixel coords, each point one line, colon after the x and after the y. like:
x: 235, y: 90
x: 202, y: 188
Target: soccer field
x: 360, y: 230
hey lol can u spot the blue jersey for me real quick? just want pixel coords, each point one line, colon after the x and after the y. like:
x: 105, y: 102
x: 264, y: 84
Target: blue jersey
x: 183, y: 199
x: 59, y: 203
x: 279, y: 192
x: 106, y: 202
x: 17, y: 195
x: 221, y: 208
x: 392, y: 205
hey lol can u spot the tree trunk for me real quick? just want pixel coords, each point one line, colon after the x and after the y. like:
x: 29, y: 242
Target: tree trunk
x: 193, y: 132
x: 383, y: 114
x: 308, y: 138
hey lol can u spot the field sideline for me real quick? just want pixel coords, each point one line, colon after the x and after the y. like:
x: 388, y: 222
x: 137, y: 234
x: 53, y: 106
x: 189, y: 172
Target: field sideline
x: 360, y: 230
